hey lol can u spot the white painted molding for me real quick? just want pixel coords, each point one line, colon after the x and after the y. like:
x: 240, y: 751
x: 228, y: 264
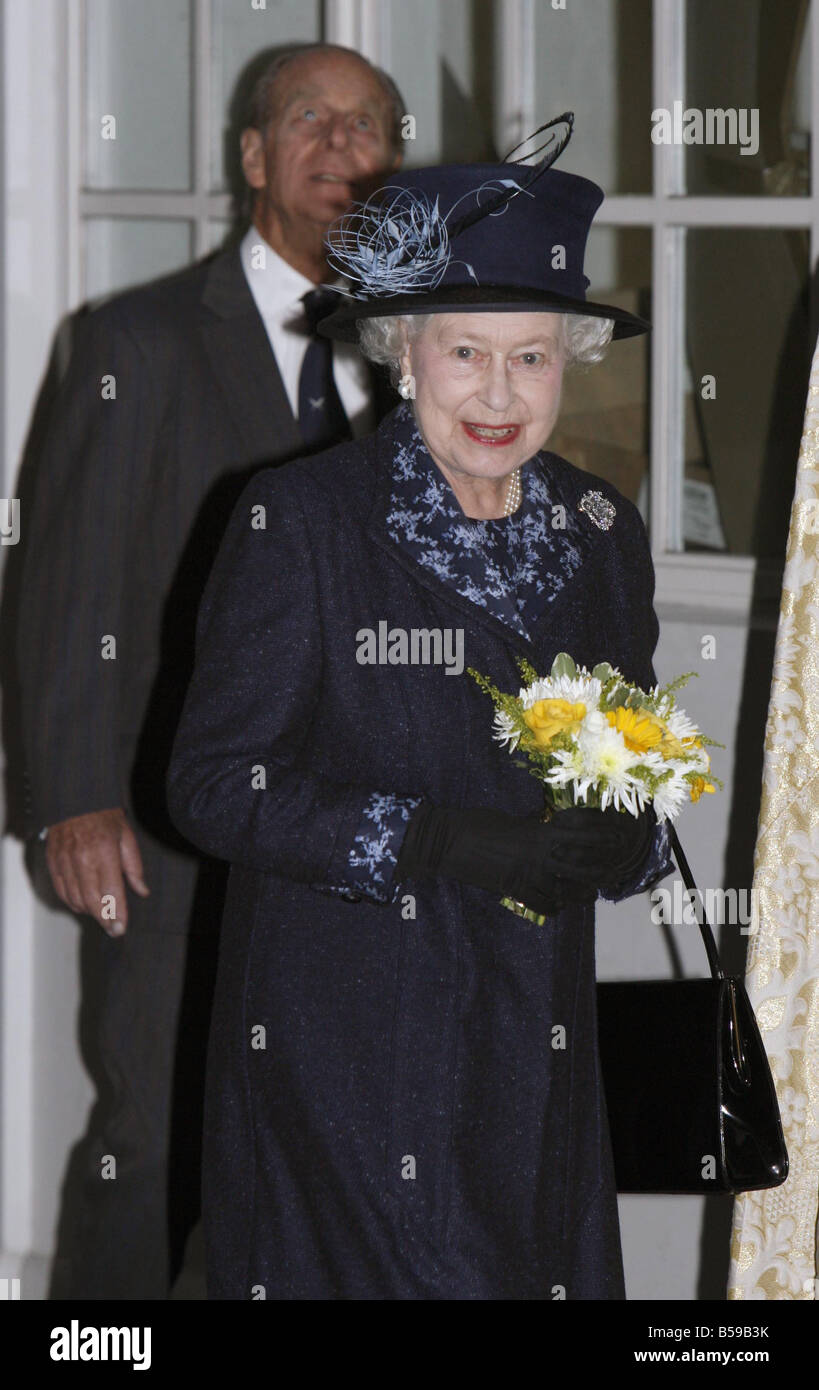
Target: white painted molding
x: 32, y: 1271
x: 36, y: 291
x: 70, y: 147
x: 18, y: 1095
x: 122, y: 203
x: 360, y: 24
x: 375, y: 32
x: 647, y: 210
x: 342, y: 22
x: 514, y: 72
x: 668, y: 296
x: 200, y: 129
x: 731, y: 588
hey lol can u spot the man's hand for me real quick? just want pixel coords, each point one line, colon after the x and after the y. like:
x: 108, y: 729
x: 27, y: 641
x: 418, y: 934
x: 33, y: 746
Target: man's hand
x: 87, y: 857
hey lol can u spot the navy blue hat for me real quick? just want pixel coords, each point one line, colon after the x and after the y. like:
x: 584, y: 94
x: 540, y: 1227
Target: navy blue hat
x: 469, y: 237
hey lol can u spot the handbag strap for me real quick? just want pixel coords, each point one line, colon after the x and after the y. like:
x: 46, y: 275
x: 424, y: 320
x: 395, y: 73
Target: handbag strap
x: 714, y: 962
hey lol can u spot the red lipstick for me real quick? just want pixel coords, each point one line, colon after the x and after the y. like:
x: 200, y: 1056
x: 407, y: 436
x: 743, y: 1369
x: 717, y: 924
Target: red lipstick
x: 492, y: 436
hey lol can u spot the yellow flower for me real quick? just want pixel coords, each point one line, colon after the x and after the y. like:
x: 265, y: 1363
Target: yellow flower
x: 643, y: 730
x: 698, y: 786
x: 549, y: 717
x: 697, y: 743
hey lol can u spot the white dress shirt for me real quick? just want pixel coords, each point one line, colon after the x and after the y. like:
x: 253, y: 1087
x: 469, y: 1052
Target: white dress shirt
x: 277, y: 290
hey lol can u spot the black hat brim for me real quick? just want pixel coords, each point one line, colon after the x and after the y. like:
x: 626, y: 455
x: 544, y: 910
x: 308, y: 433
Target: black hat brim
x: 341, y: 324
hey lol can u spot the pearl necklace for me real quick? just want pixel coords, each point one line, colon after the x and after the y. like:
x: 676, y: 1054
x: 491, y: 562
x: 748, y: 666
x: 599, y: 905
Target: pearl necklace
x: 513, y: 494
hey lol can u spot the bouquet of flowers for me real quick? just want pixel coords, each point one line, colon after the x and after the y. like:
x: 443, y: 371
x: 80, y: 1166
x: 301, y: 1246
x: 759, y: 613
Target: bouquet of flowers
x: 596, y: 739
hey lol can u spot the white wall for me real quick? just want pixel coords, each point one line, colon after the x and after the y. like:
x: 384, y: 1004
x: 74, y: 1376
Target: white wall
x: 45, y: 1093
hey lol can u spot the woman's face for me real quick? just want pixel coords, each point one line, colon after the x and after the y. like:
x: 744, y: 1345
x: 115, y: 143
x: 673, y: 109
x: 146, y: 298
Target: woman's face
x: 487, y: 389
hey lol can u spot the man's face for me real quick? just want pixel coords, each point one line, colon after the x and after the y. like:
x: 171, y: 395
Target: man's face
x: 326, y: 145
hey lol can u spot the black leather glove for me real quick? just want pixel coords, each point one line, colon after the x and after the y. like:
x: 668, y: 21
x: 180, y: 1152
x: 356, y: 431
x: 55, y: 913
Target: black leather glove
x: 546, y: 865
x: 508, y: 855
x: 606, y: 846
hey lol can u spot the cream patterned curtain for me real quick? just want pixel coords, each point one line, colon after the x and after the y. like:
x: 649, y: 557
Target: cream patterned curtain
x: 773, y: 1245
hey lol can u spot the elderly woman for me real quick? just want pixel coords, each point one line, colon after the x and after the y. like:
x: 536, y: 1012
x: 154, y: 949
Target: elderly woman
x: 404, y: 1096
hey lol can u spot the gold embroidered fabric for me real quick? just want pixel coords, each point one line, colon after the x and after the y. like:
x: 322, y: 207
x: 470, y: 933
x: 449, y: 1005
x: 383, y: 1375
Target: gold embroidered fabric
x: 773, y: 1243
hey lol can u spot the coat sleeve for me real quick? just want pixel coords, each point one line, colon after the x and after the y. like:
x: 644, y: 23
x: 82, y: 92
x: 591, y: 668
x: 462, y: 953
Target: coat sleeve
x: 242, y: 782
x: 90, y: 485
x: 634, y: 634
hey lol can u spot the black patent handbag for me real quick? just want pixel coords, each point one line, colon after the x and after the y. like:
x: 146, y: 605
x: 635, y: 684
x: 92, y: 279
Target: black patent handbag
x: 691, y: 1100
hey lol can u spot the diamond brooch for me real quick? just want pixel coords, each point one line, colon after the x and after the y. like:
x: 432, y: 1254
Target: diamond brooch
x: 598, y: 509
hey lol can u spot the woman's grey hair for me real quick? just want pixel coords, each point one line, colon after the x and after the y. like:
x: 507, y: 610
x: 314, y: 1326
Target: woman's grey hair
x: 383, y: 340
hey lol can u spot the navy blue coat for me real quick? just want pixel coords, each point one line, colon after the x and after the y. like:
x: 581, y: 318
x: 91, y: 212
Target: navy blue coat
x: 390, y: 1112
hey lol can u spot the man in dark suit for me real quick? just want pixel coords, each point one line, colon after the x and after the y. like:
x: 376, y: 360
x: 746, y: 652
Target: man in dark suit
x: 175, y: 393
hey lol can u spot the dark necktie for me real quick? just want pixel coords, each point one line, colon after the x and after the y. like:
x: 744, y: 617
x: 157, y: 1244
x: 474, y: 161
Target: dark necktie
x: 322, y: 420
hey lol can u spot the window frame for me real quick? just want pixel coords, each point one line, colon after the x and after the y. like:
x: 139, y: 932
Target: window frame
x: 717, y: 582
x: 732, y: 586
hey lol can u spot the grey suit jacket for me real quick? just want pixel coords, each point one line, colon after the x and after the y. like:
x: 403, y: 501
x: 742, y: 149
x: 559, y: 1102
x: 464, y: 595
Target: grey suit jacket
x: 171, y: 400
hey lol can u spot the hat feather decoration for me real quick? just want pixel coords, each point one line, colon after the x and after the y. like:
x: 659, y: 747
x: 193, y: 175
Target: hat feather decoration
x: 399, y: 243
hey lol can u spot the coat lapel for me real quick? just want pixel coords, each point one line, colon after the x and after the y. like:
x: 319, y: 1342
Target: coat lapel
x: 244, y: 364
x: 568, y: 486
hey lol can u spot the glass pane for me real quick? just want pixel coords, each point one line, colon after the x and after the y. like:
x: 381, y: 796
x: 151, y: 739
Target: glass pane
x: 604, y: 420
x: 599, y: 66
x: 218, y: 230
x: 123, y: 251
x: 748, y: 355
x: 745, y: 123
x: 137, y: 94
x: 441, y: 56
x: 240, y: 34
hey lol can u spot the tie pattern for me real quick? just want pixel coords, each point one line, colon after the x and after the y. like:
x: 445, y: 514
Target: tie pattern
x: 322, y: 419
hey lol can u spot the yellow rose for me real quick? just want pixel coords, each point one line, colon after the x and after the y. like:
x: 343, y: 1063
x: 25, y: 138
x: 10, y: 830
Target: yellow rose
x: 549, y: 717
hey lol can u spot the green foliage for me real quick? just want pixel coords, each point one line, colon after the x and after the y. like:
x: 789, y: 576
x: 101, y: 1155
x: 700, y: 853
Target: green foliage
x: 615, y: 692
x: 675, y: 685
x: 527, y: 670
x: 510, y: 704
x: 563, y: 666
x: 485, y: 685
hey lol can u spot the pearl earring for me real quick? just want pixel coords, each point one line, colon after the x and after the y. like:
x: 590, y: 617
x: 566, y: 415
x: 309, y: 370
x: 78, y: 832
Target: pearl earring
x: 406, y: 387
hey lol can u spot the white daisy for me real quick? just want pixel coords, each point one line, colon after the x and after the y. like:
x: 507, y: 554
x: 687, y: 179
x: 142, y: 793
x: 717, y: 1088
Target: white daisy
x: 577, y: 690
x: 505, y: 730
x: 569, y: 771
x: 680, y: 725
x: 670, y: 797
x: 607, y: 760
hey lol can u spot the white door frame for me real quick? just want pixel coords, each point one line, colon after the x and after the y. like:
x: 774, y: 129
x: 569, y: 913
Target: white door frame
x: 38, y: 192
